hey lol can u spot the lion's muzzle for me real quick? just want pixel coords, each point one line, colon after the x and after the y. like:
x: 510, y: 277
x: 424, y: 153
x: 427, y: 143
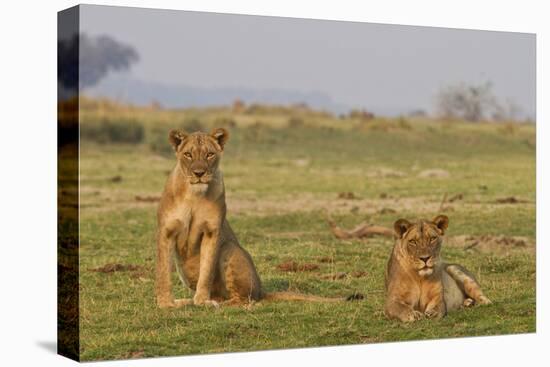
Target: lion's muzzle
x: 425, y: 265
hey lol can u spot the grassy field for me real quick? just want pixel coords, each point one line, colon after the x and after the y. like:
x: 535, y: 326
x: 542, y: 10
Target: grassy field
x: 284, y: 170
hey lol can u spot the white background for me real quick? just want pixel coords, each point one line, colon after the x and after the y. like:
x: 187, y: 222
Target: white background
x: 28, y: 181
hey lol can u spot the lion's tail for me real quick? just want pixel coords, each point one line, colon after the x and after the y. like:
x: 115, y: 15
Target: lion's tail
x: 294, y: 296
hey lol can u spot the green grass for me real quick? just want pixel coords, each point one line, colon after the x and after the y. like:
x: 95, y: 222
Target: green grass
x: 279, y: 184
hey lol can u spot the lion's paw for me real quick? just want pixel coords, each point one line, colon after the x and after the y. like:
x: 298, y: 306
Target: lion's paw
x: 199, y: 300
x: 484, y: 301
x: 433, y: 313
x: 183, y: 302
x: 165, y: 303
x: 413, y: 316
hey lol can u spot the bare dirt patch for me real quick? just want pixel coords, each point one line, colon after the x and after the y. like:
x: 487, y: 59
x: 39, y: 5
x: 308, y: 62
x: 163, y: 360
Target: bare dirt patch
x: 115, y: 267
x: 147, y: 199
x: 359, y: 274
x: 302, y: 162
x: 267, y: 205
x: 347, y: 195
x: 492, y: 243
x: 456, y: 197
x: 387, y: 211
x: 434, y: 173
x: 111, y: 199
x: 335, y: 276
x: 343, y: 275
x: 325, y: 259
x: 385, y: 173
x: 140, y: 353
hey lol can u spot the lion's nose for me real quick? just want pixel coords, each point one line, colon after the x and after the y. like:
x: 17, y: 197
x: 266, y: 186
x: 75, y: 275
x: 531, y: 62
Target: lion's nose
x: 425, y: 258
x: 199, y: 172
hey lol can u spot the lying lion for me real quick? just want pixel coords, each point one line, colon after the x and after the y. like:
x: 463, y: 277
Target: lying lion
x: 418, y: 282
x: 193, y: 231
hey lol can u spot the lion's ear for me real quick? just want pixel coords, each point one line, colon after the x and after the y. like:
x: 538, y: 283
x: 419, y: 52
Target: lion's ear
x: 441, y: 222
x: 401, y: 226
x: 175, y: 137
x: 220, y: 135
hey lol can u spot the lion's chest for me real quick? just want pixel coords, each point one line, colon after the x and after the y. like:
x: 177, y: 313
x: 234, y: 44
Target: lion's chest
x: 427, y: 291
x: 195, y: 218
x: 191, y: 231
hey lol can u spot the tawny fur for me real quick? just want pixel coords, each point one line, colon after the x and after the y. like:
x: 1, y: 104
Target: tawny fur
x: 193, y: 232
x: 418, y: 282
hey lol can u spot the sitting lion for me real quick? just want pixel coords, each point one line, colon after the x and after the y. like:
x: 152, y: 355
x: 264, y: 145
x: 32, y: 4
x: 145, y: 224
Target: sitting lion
x: 418, y: 282
x: 193, y: 231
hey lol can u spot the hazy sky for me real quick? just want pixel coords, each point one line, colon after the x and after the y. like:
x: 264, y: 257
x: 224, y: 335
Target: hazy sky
x: 357, y: 64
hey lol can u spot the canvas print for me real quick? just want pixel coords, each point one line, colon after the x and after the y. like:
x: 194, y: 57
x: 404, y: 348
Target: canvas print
x: 241, y: 183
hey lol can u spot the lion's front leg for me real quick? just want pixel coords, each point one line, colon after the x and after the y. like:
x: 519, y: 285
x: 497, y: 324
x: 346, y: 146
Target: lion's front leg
x: 396, y: 308
x: 436, y: 308
x: 163, y: 283
x: 208, y: 261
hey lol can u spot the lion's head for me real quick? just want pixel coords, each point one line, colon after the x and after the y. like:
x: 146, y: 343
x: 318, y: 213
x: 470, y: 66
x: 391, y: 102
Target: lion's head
x: 199, y: 154
x: 420, y: 243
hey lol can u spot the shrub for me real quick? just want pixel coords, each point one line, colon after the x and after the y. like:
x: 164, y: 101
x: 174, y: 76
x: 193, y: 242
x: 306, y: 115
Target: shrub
x: 508, y: 128
x: 158, y: 141
x: 238, y: 106
x: 295, y: 122
x: 254, y: 108
x: 403, y: 123
x: 362, y: 115
x: 158, y: 136
x: 192, y: 125
x: 128, y: 131
x: 254, y: 132
x: 226, y: 122
x: 468, y: 102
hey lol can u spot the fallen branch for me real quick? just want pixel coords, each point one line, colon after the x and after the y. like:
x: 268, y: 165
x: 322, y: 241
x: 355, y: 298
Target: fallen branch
x: 364, y: 230
x: 472, y: 245
x: 510, y: 200
x: 443, y: 200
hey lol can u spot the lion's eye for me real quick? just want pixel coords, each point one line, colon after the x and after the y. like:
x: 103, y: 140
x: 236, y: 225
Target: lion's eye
x: 187, y: 155
x: 433, y: 239
x: 210, y: 155
x: 412, y: 242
